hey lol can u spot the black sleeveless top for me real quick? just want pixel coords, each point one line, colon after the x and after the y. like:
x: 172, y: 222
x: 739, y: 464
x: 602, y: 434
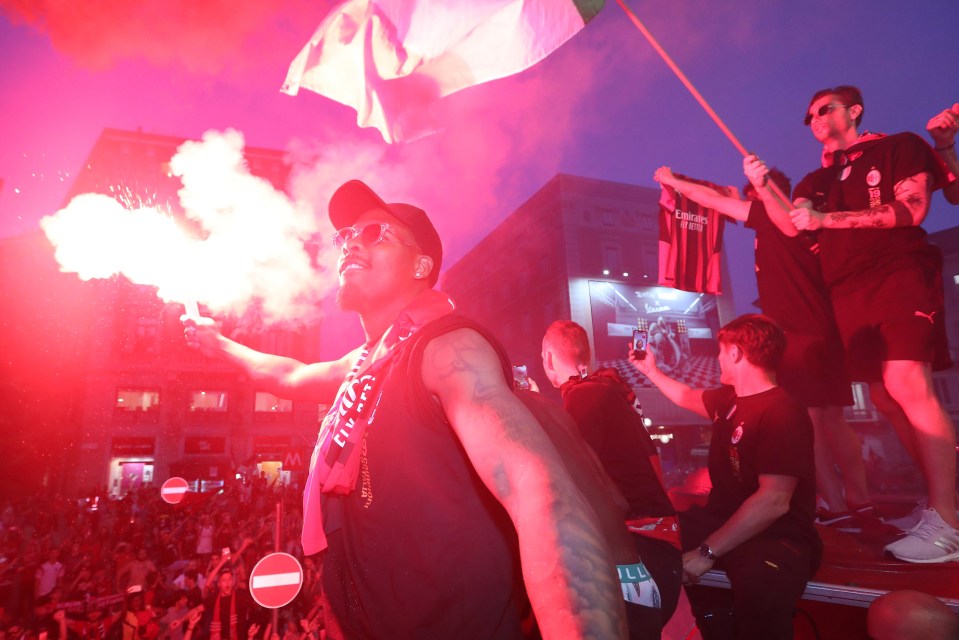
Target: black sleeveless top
x: 420, y: 549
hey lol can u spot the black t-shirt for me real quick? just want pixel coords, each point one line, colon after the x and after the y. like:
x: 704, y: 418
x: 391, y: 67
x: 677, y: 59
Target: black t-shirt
x: 862, y: 177
x: 767, y: 433
x: 615, y: 431
x: 789, y: 277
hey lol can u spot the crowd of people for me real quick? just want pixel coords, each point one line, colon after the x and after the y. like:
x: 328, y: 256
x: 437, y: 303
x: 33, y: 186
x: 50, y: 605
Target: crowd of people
x: 138, y: 568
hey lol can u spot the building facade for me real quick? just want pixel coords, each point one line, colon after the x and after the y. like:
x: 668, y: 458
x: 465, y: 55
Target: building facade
x: 143, y: 406
x: 588, y: 250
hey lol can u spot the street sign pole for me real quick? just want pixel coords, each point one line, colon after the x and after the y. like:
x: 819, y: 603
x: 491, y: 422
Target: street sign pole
x: 276, y: 549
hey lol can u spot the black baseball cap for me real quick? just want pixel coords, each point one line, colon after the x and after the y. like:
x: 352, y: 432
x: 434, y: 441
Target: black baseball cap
x: 354, y: 198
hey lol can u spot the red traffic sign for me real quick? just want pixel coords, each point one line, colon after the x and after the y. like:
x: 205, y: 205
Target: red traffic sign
x: 174, y: 490
x: 275, y: 580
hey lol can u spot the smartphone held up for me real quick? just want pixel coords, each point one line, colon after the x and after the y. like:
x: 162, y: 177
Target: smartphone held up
x: 640, y: 339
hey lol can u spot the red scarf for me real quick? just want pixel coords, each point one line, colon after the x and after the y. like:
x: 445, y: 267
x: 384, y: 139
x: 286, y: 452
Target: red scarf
x: 335, y: 466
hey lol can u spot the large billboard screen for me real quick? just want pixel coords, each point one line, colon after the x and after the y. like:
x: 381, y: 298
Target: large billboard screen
x: 681, y: 326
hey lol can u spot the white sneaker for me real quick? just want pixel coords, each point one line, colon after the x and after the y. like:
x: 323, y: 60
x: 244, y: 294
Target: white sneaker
x: 909, y: 521
x: 912, y: 519
x: 932, y: 540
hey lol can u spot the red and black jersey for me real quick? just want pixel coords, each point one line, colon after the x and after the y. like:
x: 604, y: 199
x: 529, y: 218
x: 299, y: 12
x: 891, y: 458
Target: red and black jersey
x: 690, y: 241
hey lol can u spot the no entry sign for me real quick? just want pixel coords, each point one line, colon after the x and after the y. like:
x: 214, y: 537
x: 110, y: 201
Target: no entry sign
x: 173, y: 490
x: 275, y: 580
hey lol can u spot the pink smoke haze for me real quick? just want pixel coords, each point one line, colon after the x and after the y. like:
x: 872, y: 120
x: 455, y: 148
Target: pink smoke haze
x: 602, y: 106
x: 213, y: 36
x: 250, y: 249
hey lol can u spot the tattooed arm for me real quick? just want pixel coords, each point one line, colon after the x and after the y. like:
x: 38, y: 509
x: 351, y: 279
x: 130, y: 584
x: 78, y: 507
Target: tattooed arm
x: 567, y: 567
x: 909, y: 209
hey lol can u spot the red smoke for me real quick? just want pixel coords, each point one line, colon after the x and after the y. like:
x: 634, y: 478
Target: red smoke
x: 205, y: 37
x: 226, y: 61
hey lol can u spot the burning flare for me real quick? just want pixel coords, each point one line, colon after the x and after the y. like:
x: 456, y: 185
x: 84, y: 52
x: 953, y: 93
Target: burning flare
x: 251, y: 250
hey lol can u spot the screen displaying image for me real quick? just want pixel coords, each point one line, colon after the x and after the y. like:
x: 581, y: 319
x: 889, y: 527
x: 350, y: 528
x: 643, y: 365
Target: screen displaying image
x: 680, y: 327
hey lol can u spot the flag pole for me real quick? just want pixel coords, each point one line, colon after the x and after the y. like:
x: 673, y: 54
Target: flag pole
x: 772, y: 186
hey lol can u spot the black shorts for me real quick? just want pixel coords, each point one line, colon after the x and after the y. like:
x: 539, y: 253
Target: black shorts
x: 813, y: 371
x: 898, y: 316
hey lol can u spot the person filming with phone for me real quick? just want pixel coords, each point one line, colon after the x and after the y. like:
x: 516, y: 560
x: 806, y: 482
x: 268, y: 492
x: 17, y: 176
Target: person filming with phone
x: 757, y: 523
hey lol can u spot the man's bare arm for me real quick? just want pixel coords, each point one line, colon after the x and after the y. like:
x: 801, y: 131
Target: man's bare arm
x: 754, y: 515
x: 678, y: 393
x: 283, y: 377
x: 909, y: 209
x: 703, y: 195
x: 567, y: 567
x: 776, y: 208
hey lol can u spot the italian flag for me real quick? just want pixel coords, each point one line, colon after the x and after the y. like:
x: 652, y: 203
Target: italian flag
x: 391, y: 59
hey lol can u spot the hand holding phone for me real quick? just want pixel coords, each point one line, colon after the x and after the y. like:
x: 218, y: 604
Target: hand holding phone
x: 521, y: 377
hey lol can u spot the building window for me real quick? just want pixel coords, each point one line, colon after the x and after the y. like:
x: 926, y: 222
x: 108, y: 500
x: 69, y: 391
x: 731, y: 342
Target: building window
x: 611, y: 259
x: 269, y: 403
x: 208, y: 401
x: 146, y: 335
x: 137, y: 400
x: 609, y: 218
x: 651, y: 262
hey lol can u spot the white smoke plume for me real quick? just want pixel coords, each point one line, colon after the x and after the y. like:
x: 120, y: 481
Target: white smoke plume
x: 250, y: 251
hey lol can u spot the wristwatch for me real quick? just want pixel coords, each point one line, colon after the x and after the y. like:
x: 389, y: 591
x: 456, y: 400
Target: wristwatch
x: 706, y: 552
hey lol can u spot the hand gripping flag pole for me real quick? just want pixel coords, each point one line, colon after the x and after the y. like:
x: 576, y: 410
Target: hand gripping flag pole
x: 771, y: 185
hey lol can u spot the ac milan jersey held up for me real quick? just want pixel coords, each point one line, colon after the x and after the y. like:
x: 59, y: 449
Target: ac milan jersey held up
x: 690, y: 240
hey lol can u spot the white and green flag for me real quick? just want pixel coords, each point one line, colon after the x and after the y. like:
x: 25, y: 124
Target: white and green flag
x: 391, y: 59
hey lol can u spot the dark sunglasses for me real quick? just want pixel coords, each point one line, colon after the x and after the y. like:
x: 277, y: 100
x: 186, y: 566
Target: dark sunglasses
x: 369, y: 235
x: 823, y: 110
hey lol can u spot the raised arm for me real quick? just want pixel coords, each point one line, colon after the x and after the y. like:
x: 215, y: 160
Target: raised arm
x: 677, y: 392
x: 942, y: 129
x: 776, y: 208
x: 706, y: 196
x: 909, y: 209
x: 567, y: 567
x: 284, y: 377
